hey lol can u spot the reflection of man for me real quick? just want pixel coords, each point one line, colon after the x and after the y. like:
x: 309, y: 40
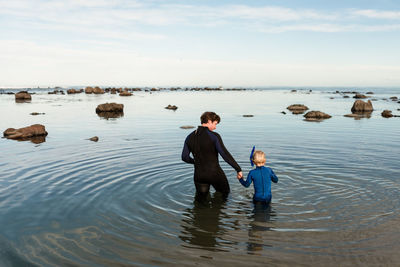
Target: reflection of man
x: 205, y: 145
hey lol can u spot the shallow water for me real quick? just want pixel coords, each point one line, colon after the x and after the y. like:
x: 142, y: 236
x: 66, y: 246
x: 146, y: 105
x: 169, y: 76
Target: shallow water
x: 128, y: 199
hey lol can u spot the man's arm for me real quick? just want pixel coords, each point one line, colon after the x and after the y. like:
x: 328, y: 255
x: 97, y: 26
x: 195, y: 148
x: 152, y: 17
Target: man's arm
x: 224, y: 152
x: 186, y: 152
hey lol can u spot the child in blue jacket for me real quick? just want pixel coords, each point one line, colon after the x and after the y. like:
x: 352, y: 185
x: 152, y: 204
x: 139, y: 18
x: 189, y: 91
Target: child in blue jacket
x: 261, y: 176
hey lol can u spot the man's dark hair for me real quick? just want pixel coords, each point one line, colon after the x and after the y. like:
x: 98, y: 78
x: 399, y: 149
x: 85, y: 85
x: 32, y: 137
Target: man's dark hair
x: 208, y: 115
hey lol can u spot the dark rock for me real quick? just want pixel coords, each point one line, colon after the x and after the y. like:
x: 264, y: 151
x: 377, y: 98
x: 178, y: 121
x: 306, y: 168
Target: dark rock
x: 36, y: 113
x: 73, y: 91
x: 98, y: 90
x: 283, y: 112
x: 187, y: 127
x: 172, y: 107
x: 25, y: 133
x: 346, y: 96
x: 359, y: 96
x: 361, y: 106
x: 125, y: 93
x: 293, y: 91
x: 387, y: 113
x: 297, y: 107
x: 110, y: 107
x: 94, y: 139
x: 370, y: 93
x: 316, y: 116
x: 393, y: 98
x: 23, y: 95
x: 248, y: 115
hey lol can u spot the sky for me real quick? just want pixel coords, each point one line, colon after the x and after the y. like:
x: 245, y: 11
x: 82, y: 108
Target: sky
x: 199, y: 43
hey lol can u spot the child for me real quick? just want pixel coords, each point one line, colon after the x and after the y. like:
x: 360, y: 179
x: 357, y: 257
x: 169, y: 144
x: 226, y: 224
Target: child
x: 261, y: 177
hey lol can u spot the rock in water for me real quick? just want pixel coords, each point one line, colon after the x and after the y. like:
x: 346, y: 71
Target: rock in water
x: 94, y: 139
x: 297, y: 108
x: 173, y: 107
x: 361, y: 106
x: 110, y: 107
x: 316, y: 116
x: 26, y: 132
x: 387, y: 113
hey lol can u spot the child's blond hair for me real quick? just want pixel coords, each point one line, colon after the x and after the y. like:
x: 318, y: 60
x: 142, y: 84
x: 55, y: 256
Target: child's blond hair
x: 259, y: 157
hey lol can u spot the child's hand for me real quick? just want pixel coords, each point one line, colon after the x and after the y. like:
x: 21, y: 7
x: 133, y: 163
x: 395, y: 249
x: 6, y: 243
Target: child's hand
x: 239, y: 175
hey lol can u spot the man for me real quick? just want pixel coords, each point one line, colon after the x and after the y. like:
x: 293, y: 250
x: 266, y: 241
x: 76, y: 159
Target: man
x: 205, y: 145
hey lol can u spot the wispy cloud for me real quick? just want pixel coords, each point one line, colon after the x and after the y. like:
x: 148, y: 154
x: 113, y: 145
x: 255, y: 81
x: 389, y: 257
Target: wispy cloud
x: 131, y: 15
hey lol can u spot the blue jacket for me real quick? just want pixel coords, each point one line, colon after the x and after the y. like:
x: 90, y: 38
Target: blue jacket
x: 261, y: 177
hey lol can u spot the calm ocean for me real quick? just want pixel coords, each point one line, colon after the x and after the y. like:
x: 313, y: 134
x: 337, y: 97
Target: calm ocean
x: 128, y: 199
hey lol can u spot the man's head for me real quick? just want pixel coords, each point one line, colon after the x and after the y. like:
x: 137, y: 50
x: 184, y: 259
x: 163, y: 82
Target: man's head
x: 210, y: 120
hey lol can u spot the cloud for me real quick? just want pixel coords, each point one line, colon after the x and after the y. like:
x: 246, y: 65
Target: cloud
x: 377, y: 14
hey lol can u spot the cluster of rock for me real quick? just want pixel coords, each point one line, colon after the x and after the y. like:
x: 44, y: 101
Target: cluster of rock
x: 94, y: 90
x: 56, y: 92
x: 172, y: 107
x: 74, y: 91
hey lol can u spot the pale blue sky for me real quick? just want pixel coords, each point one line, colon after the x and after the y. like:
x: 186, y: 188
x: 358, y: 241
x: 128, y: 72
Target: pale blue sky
x: 199, y: 43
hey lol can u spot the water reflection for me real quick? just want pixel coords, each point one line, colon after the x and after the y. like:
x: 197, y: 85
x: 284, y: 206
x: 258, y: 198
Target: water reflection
x: 35, y: 139
x: 110, y: 115
x: 202, y: 224
x: 261, y: 216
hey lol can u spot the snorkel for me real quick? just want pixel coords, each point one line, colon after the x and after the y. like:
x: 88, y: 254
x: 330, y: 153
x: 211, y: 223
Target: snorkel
x: 251, y: 156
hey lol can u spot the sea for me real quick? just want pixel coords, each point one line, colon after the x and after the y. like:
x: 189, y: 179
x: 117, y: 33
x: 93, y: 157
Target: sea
x: 129, y: 200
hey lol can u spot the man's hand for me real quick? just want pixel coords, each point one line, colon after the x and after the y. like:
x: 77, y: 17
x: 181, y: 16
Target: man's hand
x: 239, y: 175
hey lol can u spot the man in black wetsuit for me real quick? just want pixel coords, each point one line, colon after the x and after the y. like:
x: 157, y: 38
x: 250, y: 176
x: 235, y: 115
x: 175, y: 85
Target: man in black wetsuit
x: 204, y: 144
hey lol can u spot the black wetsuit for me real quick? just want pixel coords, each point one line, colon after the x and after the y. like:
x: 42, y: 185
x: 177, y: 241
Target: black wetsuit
x: 205, y: 146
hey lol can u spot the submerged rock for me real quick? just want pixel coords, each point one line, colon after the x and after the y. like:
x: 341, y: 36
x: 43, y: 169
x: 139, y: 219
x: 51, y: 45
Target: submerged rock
x: 248, y: 115
x: 387, y: 113
x: 172, y: 107
x: 361, y: 106
x: 125, y: 93
x: 359, y: 115
x: 187, y: 127
x: 36, y: 113
x: 359, y: 96
x: 26, y: 132
x: 316, y: 116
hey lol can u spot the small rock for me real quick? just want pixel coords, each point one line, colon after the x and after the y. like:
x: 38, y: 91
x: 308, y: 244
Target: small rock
x: 346, y: 96
x: 387, y: 113
x: 94, y: 139
x: 73, y: 91
x: 293, y: 91
x: 359, y: 96
x: 36, y: 113
x: 172, y: 107
x: 23, y: 96
x: 187, y: 127
x: 370, y: 93
x: 316, y: 116
x: 393, y: 98
x: 283, y: 112
x: 125, y: 93
x: 297, y: 108
x: 248, y: 116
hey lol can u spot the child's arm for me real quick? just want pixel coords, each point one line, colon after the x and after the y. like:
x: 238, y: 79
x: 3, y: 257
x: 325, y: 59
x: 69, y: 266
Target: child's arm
x: 248, y: 181
x: 274, y: 178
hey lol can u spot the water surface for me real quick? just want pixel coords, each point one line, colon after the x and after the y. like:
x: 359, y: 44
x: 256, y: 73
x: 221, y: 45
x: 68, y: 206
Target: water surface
x: 128, y: 199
